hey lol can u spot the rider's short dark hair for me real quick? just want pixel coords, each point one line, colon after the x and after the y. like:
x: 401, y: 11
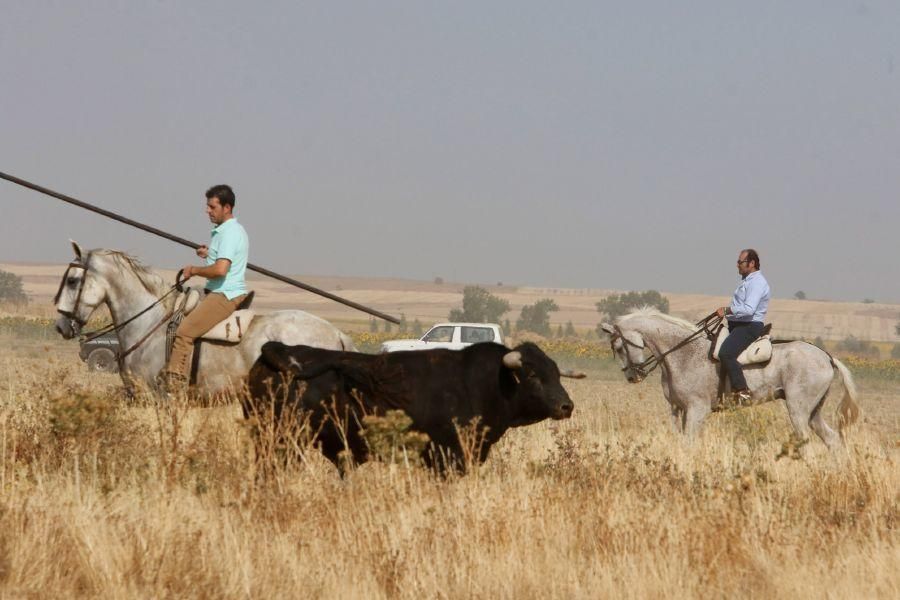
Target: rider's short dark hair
x: 223, y: 192
x: 752, y: 255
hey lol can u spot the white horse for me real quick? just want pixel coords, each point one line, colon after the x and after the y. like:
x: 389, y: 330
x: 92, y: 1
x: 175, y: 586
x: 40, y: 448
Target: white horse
x: 129, y: 288
x: 798, y: 372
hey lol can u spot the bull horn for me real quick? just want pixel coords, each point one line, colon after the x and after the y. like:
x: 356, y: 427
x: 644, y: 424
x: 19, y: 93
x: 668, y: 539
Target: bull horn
x: 512, y: 360
x: 573, y: 374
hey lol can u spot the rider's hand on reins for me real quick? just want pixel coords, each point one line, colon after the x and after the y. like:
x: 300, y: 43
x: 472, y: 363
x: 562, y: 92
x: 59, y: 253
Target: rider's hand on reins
x: 180, y: 279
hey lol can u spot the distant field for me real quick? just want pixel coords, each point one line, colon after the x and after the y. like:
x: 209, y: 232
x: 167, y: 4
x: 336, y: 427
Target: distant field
x: 430, y: 302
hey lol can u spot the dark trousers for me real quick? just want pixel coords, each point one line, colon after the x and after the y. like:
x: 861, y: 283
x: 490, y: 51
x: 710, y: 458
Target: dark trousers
x: 739, y: 337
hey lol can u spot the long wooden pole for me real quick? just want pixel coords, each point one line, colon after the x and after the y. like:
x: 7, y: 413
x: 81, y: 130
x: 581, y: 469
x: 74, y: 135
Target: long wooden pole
x: 190, y: 244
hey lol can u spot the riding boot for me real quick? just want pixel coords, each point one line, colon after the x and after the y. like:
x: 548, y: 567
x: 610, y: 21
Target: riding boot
x: 737, y: 399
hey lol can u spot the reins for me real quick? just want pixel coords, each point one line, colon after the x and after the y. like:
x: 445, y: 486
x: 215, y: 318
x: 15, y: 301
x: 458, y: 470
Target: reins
x: 708, y: 325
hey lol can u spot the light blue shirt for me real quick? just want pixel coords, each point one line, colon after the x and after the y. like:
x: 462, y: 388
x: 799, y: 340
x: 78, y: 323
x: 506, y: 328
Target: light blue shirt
x: 229, y: 240
x: 751, y: 299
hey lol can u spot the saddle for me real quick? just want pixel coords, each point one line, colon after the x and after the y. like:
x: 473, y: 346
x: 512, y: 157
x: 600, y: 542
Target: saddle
x: 231, y: 329
x: 760, y: 351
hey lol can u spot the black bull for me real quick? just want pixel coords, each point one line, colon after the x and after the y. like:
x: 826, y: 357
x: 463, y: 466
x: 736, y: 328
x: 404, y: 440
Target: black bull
x: 485, y: 386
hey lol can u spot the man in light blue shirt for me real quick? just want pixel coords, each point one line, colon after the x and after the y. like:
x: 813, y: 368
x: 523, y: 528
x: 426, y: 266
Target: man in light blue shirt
x: 226, y: 263
x: 745, y: 315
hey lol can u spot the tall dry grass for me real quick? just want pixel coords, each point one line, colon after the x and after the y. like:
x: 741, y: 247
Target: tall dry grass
x: 103, y: 499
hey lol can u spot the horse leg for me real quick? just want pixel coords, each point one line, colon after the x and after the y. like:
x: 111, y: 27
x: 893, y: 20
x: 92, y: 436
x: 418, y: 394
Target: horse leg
x: 694, y: 416
x: 818, y: 424
x: 677, y: 415
x: 798, y: 411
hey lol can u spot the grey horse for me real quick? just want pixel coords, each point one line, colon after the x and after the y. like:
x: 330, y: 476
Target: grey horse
x: 798, y: 372
x: 128, y: 287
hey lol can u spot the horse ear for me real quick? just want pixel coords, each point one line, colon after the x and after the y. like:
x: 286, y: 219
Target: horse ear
x: 77, y: 249
x: 607, y: 328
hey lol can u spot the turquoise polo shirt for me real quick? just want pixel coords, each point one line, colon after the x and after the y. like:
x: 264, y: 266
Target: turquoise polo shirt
x: 229, y: 240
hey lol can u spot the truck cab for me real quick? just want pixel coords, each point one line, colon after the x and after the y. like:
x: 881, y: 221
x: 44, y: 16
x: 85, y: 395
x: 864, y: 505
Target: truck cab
x: 453, y: 336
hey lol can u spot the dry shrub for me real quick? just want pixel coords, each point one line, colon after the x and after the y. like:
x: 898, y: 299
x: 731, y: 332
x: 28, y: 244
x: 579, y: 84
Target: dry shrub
x: 165, y: 500
x: 390, y: 439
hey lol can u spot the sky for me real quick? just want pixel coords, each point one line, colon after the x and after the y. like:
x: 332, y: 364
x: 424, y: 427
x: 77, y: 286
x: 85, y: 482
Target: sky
x: 621, y: 145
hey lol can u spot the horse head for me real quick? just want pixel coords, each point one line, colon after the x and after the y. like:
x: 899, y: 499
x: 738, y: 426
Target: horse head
x: 80, y: 292
x: 628, y: 347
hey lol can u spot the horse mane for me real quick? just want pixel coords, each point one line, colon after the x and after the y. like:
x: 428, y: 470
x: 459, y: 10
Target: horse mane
x: 649, y: 311
x: 152, y: 282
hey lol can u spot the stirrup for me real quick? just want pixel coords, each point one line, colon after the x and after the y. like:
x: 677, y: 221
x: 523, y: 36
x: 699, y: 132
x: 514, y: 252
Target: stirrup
x: 734, y: 400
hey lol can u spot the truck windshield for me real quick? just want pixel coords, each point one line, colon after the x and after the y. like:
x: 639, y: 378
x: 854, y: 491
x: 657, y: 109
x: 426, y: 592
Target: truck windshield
x: 439, y: 334
x: 474, y: 335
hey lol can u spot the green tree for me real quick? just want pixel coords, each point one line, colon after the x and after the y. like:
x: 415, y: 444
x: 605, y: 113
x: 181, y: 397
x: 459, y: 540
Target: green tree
x: 895, y: 352
x: 11, y: 288
x: 387, y: 326
x: 507, y: 328
x: 570, y: 330
x: 403, y: 325
x: 800, y: 295
x: 819, y: 342
x: 417, y: 329
x: 479, y: 306
x: 373, y: 326
x: 617, y: 305
x: 536, y: 317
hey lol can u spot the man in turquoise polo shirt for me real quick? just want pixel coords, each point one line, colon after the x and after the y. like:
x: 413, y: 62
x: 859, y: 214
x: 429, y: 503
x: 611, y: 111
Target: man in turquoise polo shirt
x: 226, y: 263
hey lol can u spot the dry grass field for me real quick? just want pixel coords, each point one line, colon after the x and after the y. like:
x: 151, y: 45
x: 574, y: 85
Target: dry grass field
x: 102, y: 499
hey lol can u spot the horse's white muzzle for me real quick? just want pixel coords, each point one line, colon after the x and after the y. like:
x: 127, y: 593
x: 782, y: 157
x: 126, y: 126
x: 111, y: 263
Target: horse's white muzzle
x: 67, y: 327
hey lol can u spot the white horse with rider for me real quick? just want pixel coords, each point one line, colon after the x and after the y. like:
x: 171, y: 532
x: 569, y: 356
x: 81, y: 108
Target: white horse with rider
x: 798, y: 372
x: 142, y: 304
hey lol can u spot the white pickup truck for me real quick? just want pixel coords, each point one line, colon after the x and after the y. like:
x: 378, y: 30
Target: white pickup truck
x: 453, y: 336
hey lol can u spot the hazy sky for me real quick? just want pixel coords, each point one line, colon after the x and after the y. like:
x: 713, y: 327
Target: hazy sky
x: 626, y: 145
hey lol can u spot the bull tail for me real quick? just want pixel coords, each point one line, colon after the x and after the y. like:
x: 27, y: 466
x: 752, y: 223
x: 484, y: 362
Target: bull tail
x: 848, y: 410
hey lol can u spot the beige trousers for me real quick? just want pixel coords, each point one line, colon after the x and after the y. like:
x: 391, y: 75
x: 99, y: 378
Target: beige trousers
x: 213, y: 308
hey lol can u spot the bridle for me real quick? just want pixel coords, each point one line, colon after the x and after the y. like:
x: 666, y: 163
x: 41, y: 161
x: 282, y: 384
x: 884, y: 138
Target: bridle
x: 708, y: 325
x: 72, y: 314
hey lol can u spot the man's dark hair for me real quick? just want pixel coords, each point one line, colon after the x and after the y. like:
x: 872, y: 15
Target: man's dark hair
x: 752, y: 255
x: 223, y: 192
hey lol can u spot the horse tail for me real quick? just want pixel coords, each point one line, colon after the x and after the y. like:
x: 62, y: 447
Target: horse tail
x: 347, y: 344
x: 848, y: 409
